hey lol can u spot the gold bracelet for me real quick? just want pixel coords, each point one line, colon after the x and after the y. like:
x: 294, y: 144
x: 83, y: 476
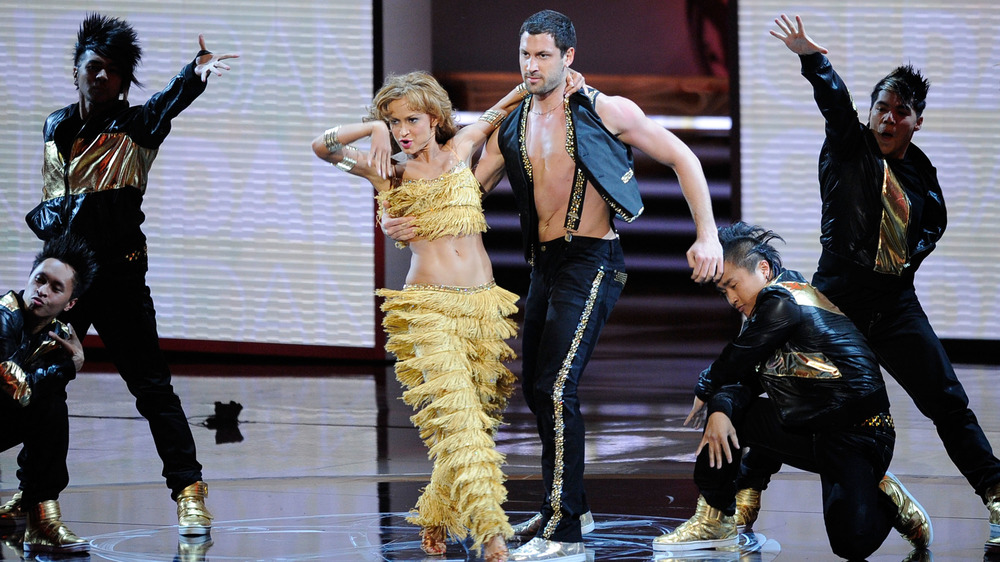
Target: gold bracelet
x: 493, y: 117
x: 331, y: 141
x: 522, y: 90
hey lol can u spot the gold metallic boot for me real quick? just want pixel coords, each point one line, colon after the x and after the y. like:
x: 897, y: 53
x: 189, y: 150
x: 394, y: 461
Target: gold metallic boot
x: 708, y: 528
x: 993, y: 504
x: 12, y: 513
x: 912, y: 521
x: 13, y: 539
x: 747, y: 507
x: 46, y: 532
x: 193, y: 518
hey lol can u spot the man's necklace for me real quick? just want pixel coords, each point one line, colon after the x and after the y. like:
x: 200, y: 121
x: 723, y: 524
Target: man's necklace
x: 546, y: 112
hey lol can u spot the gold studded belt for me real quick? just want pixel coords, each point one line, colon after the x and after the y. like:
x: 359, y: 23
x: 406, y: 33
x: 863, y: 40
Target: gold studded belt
x: 878, y: 420
x: 138, y: 254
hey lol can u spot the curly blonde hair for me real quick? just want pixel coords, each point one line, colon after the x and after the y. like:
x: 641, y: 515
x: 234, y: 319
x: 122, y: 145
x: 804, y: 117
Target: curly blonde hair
x: 422, y: 93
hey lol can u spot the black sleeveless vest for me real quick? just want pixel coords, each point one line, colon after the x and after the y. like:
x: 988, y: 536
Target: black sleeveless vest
x: 605, y: 161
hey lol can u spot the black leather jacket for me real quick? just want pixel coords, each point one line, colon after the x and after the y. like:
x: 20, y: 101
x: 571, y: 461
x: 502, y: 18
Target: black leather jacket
x: 103, y: 165
x: 851, y: 174
x: 809, y: 358
x: 44, y: 363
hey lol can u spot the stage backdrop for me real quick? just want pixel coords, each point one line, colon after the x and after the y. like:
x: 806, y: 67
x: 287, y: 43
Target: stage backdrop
x: 782, y: 132
x: 251, y: 237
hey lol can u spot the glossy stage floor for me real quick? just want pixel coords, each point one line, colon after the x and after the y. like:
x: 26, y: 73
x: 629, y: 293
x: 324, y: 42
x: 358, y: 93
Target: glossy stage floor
x: 324, y: 464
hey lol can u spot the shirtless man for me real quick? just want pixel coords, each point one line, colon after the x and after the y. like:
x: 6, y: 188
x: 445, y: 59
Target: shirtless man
x: 567, y: 195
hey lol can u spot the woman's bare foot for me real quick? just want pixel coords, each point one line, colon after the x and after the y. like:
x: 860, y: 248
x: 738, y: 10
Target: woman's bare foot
x: 432, y: 541
x: 496, y: 550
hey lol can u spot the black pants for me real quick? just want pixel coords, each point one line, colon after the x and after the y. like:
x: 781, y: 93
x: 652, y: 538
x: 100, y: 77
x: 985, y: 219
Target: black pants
x: 850, y: 462
x: 574, y: 286
x: 43, y: 428
x: 119, y: 306
x: 911, y: 352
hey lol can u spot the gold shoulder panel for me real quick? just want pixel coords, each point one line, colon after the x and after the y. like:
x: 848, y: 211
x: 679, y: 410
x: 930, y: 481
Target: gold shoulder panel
x: 807, y: 295
x: 10, y: 302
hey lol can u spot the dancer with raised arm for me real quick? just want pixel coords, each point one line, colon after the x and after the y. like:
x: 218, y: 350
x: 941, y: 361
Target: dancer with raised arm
x: 448, y: 324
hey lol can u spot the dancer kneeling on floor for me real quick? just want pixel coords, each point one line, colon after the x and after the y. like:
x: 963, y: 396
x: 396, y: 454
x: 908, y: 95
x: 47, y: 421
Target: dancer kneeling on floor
x: 39, y: 355
x: 826, y: 409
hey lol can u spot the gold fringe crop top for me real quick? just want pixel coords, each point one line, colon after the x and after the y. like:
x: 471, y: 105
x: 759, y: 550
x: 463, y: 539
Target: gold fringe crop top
x: 448, y: 205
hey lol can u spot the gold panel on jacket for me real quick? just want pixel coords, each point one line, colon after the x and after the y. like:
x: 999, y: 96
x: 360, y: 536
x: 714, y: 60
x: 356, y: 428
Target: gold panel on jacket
x: 9, y: 301
x: 49, y: 345
x: 800, y: 364
x: 110, y: 161
x: 892, y: 254
x: 807, y: 295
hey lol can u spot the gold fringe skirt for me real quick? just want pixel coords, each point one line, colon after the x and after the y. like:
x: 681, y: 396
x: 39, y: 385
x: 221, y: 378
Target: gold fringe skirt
x: 449, y: 345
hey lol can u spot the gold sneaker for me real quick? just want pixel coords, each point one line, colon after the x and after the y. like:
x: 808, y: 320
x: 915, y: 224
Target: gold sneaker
x: 993, y: 503
x: 45, y: 532
x: 14, y: 540
x: 708, y: 528
x: 12, y: 513
x: 747, y: 507
x: 193, y: 518
x: 912, y: 521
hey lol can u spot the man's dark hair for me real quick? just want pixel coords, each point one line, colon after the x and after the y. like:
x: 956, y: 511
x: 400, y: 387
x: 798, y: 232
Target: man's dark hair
x: 744, y: 245
x: 113, y: 39
x: 555, y: 24
x: 907, y: 83
x: 74, y: 252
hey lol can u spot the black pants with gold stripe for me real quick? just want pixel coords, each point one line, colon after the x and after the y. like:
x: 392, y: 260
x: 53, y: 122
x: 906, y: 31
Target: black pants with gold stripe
x: 574, y: 286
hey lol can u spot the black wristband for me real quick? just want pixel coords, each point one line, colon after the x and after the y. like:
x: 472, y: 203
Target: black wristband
x: 202, y: 53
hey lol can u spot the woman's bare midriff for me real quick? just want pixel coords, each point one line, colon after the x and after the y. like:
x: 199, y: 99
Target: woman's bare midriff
x: 457, y: 261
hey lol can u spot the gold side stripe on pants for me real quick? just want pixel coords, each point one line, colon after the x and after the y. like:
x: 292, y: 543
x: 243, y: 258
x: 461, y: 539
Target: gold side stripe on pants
x: 555, y: 495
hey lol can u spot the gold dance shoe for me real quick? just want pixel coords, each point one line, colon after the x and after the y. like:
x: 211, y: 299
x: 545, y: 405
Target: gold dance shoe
x: 193, y: 518
x: 12, y: 513
x: 912, y: 521
x: 708, y: 528
x: 45, y: 532
x: 747, y: 507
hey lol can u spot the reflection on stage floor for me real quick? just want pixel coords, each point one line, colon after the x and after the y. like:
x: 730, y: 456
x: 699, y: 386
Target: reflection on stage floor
x: 324, y: 465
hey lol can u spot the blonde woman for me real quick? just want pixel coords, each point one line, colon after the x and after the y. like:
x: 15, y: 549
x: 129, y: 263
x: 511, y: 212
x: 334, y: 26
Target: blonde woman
x: 448, y: 324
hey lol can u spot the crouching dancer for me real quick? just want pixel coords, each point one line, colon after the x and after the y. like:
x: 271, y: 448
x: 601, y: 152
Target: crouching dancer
x: 40, y: 355
x: 826, y: 409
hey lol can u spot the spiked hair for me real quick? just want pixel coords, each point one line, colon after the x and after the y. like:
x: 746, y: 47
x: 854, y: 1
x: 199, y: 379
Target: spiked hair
x: 111, y: 38
x: 74, y: 252
x: 907, y: 83
x: 744, y: 245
